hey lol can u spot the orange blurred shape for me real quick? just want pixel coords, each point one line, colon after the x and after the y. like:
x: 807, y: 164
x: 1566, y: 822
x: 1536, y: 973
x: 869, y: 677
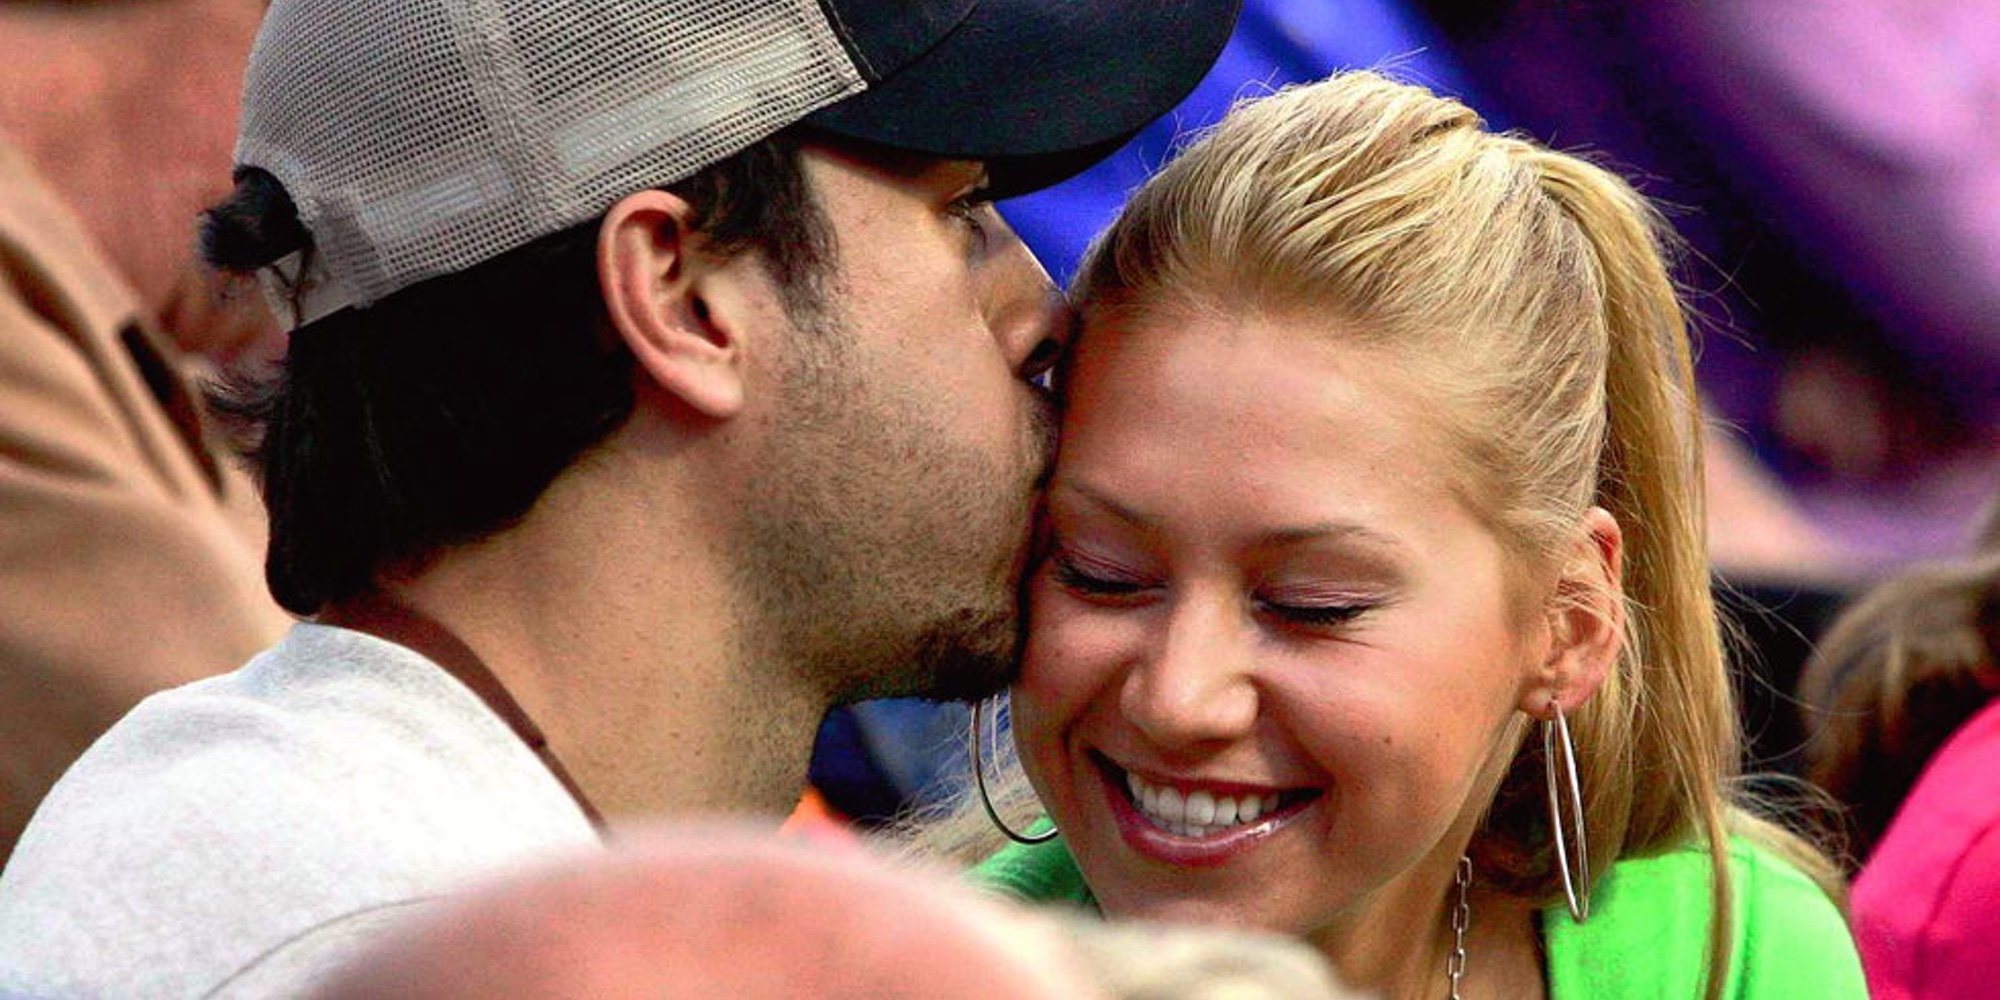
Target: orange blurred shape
x: 815, y: 820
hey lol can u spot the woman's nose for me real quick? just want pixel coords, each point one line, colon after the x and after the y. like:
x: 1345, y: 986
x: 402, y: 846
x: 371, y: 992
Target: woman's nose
x: 1193, y: 685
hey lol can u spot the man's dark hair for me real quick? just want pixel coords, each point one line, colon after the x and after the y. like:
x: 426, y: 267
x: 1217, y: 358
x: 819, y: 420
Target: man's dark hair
x: 441, y: 413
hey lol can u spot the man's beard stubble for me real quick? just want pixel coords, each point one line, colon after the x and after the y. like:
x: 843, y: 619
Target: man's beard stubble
x: 849, y: 542
x: 970, y: 656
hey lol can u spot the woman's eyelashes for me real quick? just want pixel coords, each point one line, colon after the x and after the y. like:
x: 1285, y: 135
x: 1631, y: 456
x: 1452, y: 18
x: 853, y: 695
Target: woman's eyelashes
x: 1104, y: 581
x: 1318, y: 606
x: 1091, y: 577
x: 1321, y: 616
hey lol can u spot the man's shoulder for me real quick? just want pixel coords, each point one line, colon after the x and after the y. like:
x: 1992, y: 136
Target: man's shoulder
x: 331, y: 775
x: 326, y: 712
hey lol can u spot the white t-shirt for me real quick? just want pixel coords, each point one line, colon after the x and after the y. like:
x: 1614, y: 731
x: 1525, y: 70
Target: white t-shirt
x: 239, y: 835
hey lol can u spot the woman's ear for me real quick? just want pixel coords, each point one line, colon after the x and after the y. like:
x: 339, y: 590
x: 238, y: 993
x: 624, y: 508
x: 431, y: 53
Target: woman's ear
x: 1586, y: 619
x: 653, y: 279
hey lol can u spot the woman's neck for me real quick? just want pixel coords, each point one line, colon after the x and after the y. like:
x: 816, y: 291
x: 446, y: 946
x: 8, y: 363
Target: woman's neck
x: 1398, y: 945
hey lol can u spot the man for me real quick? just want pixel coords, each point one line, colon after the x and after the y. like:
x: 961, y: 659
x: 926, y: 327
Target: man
x: 661, y: 377
x: 128, y: 547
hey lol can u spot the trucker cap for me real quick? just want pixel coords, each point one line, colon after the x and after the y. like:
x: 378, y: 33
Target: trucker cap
x: 421, y: 137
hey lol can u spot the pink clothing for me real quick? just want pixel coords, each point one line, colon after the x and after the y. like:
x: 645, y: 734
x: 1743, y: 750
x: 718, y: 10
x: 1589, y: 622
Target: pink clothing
x: 1926, y: 904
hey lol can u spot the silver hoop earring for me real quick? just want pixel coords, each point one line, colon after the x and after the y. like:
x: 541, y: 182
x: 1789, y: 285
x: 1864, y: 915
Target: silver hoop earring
x: 1576, y: 884
x: 979, y: 783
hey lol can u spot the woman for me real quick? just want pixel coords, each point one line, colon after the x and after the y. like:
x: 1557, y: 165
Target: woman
x: 1375, y: 536
x: 1907, y: 683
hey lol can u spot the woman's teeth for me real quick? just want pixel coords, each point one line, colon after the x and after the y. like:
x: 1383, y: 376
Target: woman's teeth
x: 1197, y: 813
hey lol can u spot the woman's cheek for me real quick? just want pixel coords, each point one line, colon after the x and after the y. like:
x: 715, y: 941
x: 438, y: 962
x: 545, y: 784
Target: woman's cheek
x: 1077, y: 649
x: 1056, y: 667
x: 1066, y: 675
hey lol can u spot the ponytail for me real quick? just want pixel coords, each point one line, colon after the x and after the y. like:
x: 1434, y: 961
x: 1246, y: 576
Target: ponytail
x: 1650, y: 479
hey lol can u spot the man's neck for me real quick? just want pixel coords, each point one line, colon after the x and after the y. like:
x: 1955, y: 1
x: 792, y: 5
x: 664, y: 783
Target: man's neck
x: 654, y: 706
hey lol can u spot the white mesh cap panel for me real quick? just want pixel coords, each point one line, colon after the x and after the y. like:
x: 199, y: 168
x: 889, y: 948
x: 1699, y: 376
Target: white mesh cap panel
x: 420, y: 137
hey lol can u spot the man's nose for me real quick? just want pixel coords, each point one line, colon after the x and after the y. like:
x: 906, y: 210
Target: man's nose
x: 1028, y: 314
x: 1192, y: 685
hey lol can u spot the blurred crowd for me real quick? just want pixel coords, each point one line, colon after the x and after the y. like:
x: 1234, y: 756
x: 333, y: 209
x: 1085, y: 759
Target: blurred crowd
x: 1833, y: 168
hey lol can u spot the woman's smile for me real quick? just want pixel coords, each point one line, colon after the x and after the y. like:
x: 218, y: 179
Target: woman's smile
x: 1196, y: 822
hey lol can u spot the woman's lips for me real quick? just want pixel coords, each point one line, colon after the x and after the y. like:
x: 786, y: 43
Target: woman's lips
x: 1197, y: 824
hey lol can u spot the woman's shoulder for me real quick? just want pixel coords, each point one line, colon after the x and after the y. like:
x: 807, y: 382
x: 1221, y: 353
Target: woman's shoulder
x: 1035, y: 873
x: 1649, y: 927
x: 1791, y: 939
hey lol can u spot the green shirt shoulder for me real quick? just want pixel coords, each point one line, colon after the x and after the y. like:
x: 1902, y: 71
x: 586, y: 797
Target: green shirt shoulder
x: 1034, y: 873
x: 1648, y: 930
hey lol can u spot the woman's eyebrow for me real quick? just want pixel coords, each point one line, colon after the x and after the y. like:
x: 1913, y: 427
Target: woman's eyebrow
x: 1102, y: 500
x: 1335, y: 530
x: 1326, y: 530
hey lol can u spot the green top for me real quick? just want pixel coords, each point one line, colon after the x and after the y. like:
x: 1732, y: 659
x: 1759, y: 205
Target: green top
x: 1648, y: 928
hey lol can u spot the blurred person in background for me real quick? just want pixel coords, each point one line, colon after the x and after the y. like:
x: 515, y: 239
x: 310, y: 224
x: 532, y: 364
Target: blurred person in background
x: 129, y: 545
x: 1906, y: 696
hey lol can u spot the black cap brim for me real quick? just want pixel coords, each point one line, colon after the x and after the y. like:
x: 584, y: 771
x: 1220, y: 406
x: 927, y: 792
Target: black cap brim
x: 1039, y: 89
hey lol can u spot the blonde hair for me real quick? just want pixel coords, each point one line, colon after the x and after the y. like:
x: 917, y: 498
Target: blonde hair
x: 1531, y: 288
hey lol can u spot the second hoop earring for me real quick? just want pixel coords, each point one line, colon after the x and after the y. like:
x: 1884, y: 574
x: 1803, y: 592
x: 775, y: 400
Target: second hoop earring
x: 1575, y: 883
x: 985, y: 800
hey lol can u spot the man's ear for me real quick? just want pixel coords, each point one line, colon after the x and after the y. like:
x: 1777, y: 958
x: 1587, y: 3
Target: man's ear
x: 654, y: 279
x: 1586, y: 619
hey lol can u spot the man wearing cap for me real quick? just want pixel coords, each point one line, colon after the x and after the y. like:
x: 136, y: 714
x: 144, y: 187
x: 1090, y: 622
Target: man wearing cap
x: 660, y: 376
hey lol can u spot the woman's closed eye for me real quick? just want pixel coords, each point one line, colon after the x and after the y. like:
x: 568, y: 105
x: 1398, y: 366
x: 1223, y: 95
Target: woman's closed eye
x: 1093, y: 578
x: 1315, y: 615
x: 1317, y: 606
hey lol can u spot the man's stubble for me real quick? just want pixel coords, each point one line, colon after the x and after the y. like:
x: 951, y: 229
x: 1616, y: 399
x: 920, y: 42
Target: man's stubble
x: 881, y: 553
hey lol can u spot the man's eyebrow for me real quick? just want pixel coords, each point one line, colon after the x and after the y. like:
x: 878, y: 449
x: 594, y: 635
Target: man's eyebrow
x: 970, y: 177
x: 1272, y: 538
x: 919, y: 168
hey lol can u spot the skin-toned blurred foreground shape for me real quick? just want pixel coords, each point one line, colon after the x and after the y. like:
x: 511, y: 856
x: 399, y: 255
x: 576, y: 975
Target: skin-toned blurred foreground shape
x: 129, y: 541
x: 719, y: 912
x: 1375, y: 608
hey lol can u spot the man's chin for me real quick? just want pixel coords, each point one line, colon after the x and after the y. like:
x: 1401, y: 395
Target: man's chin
x: 965, y: 657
